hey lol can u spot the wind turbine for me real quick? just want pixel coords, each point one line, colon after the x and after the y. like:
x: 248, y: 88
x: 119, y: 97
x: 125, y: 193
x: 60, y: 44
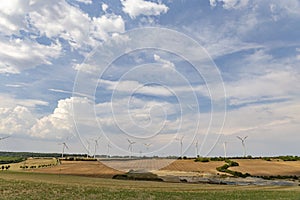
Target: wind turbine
x: 197, y: 148
x: 130, y: 147
x: 108, y: 147
x: 3, y: 138
x: 181, y: 144
x: 243, y: 143
x: 63, y: 149
x: 225, y: 149
x: 147, y: 145
x: 96, y: 145
x: 88, y: 148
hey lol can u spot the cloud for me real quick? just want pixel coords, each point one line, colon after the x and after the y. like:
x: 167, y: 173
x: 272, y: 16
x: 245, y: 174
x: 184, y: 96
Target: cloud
x: 140, y: 7
x: 60, y: 123
x: 102, y: 26
x: 230, y: 4
x: 134, y: 87
x: 22, y: 23
x: 85, y: 1
x: 15, y: 120
x: 7, y: 101
x: 104, y: 7
x: 17, y: 54
x: 166, y: 63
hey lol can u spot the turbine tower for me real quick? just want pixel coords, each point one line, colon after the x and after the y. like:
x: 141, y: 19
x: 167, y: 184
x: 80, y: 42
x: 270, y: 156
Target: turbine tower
x: 96, y: 145
x: 65, y: 146
x: 243, y: 143
x: 108, y: 147
x: 225, y: 149
x: 88, y: 148
x: 147, y: 145
x: 181, y: 144
x: 130, y: 147
x: 197, y: 148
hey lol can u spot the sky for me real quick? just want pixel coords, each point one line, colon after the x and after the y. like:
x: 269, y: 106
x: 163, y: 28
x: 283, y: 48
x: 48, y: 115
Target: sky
x: 170, y: 77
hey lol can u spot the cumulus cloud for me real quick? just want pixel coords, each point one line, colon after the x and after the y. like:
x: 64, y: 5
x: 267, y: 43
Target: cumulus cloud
x: 102, y: 26
x: 61, y: 122
x: 135, y: 8
x: 16, y: 120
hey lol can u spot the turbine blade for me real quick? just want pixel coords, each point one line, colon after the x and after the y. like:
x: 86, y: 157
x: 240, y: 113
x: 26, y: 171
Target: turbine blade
x: 239, y: 137
x: 4, y: 137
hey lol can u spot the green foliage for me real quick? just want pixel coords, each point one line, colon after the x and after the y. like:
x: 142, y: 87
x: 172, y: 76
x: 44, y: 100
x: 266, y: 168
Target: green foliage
x: 289, y: 158
x: 266, y: 158
x: 79, y: 159
x: 230, y: 163
x: 217, y: 159
x: 202, y: 159
x: 10, y: 159
x: 279, y: 177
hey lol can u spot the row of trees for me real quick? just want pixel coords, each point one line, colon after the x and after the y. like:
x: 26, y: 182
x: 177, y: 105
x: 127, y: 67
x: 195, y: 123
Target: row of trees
x: 5, y: 167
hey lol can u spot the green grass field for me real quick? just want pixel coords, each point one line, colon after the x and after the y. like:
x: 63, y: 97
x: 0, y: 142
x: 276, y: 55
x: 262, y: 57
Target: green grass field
x: 24, y: 185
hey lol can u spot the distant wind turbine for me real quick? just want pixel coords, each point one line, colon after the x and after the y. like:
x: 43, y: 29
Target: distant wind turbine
x: 3, y: 138
x: 225, y: 149
x: 96, y: 145
x: 147, y: 145
x: 197, y: 148
x: 65, y: 146
x: 130, y: 147
x: 243, y: 143
x: 108, y: 147
x: 181, y: 144
x: 88, y: 148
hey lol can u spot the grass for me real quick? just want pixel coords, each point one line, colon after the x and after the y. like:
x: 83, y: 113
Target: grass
x: 21, y: 185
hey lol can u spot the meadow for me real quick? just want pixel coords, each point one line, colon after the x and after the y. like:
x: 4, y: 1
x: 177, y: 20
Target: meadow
x: 27, y: 185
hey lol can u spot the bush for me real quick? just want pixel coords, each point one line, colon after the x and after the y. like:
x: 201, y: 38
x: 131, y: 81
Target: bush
x: 201, y: 159
x: 231, y: 163
x: 289, y: 158
x: 217, y: 159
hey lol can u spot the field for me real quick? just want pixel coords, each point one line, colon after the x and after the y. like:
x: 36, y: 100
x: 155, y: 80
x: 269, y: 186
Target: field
x: 259, y: 167
x: 21, y: 185
x: 31, y: 162
x: 92, y: 180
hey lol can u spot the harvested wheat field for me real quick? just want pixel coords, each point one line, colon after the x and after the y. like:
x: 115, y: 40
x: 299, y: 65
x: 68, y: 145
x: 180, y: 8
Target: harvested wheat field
x: 84, y: 168
x: 258, y: 167
x: 30, y: 162
x: 190, y: 168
